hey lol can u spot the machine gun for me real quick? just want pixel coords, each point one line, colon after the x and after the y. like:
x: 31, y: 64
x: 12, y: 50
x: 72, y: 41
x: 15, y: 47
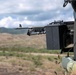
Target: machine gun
x: 33, y: 30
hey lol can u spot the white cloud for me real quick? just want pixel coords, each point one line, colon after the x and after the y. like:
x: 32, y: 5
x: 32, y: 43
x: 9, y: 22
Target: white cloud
x: 32, y: 12
x: 6, y: 21
x: 11, y: 22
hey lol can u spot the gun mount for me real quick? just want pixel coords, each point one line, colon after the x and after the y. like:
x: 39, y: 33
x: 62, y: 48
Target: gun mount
x: 59, y: 35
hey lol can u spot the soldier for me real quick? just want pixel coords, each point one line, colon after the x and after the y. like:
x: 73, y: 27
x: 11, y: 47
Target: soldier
x: 72, y: 67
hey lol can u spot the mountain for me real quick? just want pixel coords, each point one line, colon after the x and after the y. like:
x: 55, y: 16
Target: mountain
x: 13, y: 30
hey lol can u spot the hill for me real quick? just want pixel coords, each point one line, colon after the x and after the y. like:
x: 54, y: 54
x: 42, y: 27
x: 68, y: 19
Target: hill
x: 13, y: 31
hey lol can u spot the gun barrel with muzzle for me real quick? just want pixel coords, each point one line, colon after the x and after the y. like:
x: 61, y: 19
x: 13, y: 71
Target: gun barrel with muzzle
x: 66, y: 2
x: 73, y: 3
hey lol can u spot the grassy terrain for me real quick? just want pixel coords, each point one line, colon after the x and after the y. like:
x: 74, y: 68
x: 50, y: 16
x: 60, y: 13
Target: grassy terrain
x: 34, y: 41
x: 16, y: 56
x: 31, y: 64
x: 27, y: 50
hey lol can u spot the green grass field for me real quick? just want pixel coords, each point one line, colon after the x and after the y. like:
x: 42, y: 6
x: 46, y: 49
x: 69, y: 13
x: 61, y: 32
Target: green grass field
x: 14, y: 49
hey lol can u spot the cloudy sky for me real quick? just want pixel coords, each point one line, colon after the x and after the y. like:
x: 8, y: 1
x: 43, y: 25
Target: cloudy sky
x: 32, y: 12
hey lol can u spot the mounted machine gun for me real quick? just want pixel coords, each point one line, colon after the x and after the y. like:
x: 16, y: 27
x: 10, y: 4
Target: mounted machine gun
x: 33, y: 30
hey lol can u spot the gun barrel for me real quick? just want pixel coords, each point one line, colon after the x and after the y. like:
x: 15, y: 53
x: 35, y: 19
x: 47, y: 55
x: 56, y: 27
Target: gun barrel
x: 65, y: 4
